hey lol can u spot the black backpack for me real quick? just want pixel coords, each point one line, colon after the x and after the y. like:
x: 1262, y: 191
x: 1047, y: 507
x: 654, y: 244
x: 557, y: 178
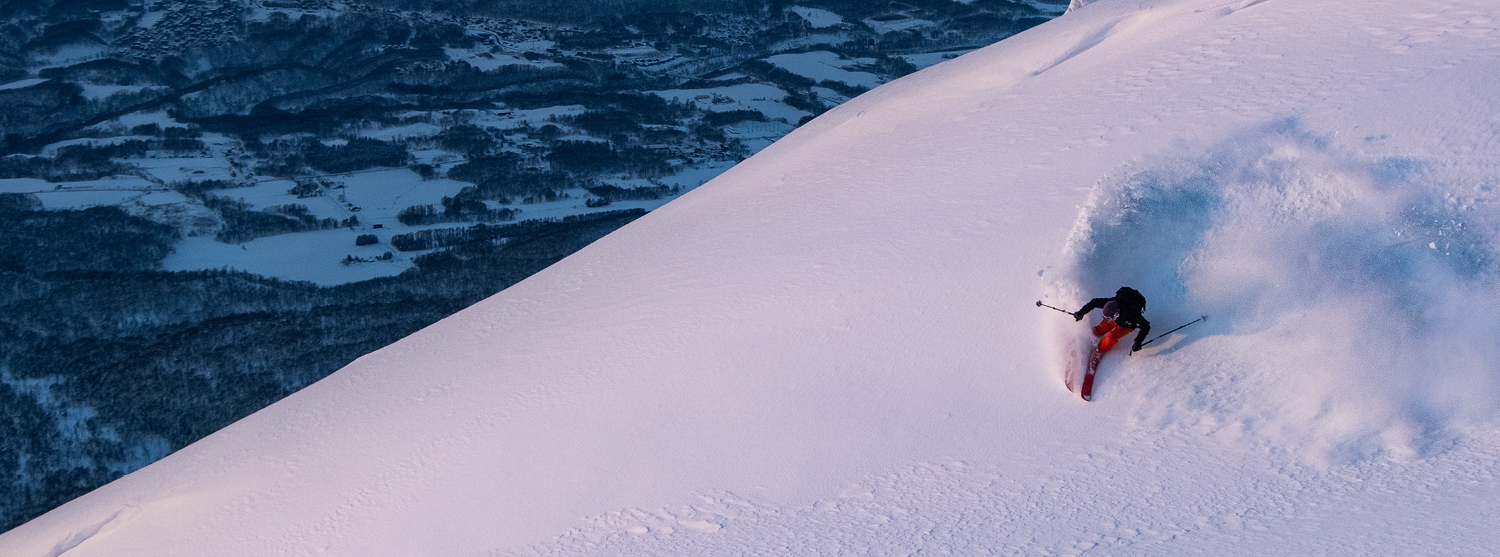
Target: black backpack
x: 1130, y: 298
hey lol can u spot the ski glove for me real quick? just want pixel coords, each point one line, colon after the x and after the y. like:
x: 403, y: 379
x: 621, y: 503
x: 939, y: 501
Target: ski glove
x: 1078, y: 316
x: 1137, y: 347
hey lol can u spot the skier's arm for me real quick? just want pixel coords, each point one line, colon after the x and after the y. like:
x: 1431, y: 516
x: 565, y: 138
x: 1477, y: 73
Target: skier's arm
x: 1093, y: 304
x: 1141, y: 335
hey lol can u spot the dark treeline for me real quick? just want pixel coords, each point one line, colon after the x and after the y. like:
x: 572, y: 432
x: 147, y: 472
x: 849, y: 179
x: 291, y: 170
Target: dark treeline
x: 572, y: 11
x: 454, y: 210
x: 242, y: 223
x: 76, y: 163
x: 616, y: 193
x: 106, y: 365
x: 590, y: 11
x: 449, y: 237
x: 307, y: 73
x: 300, y: 157
x: 100, y: 238
x: 505, y: 177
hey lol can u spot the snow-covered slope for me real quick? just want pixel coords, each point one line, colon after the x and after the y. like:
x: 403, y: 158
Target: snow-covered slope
x: 834, y: 349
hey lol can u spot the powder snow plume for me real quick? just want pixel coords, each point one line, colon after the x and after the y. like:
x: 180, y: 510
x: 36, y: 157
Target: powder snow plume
x: 1351, y: 297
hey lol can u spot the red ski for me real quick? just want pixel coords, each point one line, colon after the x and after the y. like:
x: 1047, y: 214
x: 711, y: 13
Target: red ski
x: 1088, y: 377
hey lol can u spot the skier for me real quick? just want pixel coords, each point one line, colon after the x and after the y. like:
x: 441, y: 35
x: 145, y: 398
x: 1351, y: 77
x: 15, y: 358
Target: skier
x: 1122, y: 314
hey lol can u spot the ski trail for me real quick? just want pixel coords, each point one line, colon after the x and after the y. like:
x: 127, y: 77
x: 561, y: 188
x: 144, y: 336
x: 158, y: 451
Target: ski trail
x: 1090, y: 40
x: 1231, y: 7
x: 115, y: 520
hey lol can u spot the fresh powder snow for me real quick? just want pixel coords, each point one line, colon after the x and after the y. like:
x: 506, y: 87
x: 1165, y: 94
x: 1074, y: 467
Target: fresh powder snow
x: 833, y: 348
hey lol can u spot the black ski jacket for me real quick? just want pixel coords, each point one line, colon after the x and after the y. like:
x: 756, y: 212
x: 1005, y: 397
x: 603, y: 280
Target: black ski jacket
x: 1126, y: 314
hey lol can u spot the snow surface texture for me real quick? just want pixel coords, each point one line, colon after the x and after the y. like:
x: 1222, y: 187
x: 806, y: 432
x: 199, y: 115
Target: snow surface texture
x: 833, y: 348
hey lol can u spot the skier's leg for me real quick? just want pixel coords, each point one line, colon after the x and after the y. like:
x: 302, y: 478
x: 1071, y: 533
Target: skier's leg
x: 1104, y: 327
x: 1114, y: 336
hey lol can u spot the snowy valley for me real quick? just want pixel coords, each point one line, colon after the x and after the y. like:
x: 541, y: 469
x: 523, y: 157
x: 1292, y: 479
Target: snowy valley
x: 207, y: 205
x: 258, y: 103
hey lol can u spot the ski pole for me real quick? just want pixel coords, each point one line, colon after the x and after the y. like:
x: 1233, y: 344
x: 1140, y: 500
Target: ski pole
x: 1042, y: 305
x: 1158, y: 337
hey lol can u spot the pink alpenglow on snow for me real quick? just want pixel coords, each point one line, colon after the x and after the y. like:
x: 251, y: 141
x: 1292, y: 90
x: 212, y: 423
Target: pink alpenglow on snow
x: 833, y: 348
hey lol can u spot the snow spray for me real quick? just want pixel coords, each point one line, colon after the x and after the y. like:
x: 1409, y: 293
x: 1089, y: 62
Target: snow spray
x: 1354, y: 304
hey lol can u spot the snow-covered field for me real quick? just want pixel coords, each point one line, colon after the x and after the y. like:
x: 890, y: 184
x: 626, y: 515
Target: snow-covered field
x: 823, y: 65
x: 743, y: 96
x: 374, y: 196
x: 69, y: 55
x: 114, y: 190
x: 308, y: 256
x: 929, y: 59
x: 834, y: 349
x: 487, y: 61
x: 24, y: 83
x: 96, y: 92
x: 378, y: 195
x: 884, y: 26
x: 817, y: 18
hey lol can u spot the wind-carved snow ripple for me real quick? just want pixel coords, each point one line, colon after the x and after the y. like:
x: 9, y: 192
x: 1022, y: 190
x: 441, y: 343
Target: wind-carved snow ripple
x: 1352, y: 300
x: 948, y: 508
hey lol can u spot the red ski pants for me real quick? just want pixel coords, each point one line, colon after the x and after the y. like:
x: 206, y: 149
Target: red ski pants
x: 1112, y: 334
